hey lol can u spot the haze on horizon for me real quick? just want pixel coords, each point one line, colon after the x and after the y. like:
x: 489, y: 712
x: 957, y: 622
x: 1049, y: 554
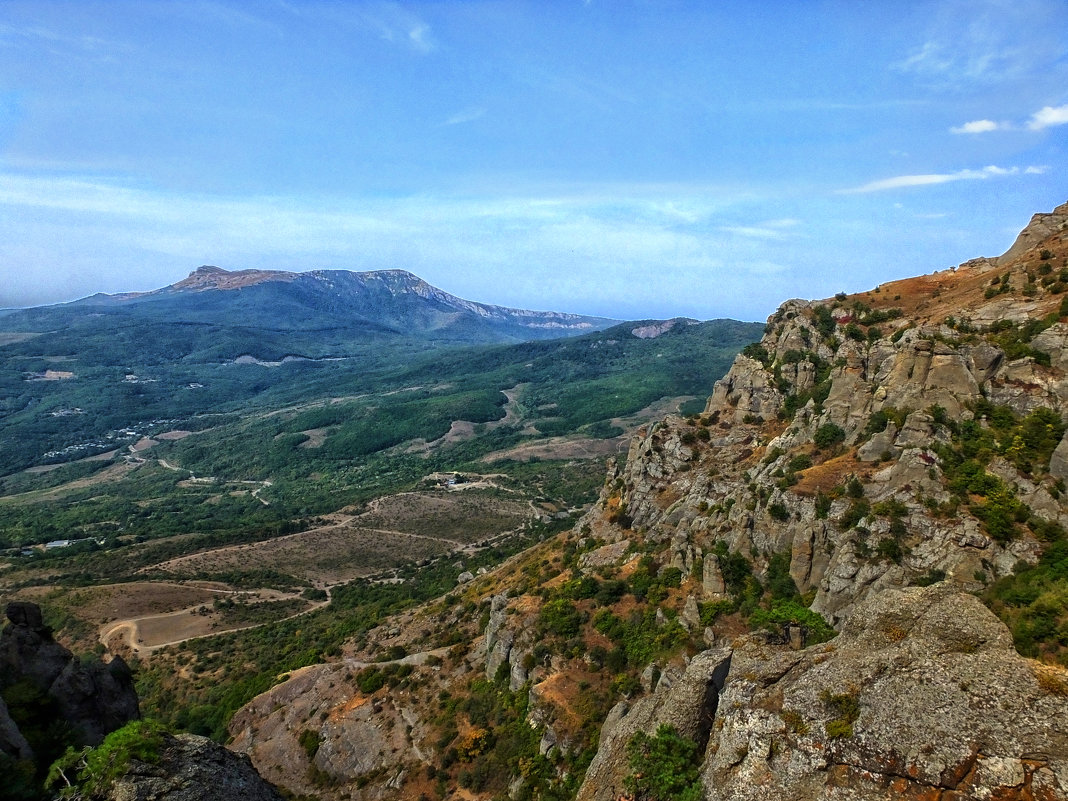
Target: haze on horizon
x: 630, y: 159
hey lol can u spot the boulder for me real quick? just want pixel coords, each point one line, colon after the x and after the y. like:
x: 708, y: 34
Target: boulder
x: 192, y: 768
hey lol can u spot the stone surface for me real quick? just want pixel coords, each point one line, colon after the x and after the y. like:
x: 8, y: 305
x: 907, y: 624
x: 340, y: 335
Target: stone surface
x: 945, y: 709
x: 193, y: 768
x: 12, y: 742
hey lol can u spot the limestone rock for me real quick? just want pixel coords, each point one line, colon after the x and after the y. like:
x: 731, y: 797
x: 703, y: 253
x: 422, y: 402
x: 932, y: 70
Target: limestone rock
x: 1041, y: 226
x: 746, y: 391
x: 943, y: 705
x: 689, y: 705
x: 1058, y: 463
x: 712, y: 579
x: 193, y: 768
x: 921, y: 696
x: 498, y: 641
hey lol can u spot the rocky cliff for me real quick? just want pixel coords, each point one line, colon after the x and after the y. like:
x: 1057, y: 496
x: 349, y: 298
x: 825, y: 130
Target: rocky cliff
x: 921, y: 697
x: 893, y: 389
x: 91, y: 698
x: 873, y: 462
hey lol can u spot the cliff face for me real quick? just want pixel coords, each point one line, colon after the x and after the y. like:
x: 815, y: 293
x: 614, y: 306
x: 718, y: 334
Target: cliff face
x: 877, y: 387
x: 867, y: 447
x: 920, y: 697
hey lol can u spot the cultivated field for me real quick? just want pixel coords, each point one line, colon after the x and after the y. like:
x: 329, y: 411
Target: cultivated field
x: 393, y: 529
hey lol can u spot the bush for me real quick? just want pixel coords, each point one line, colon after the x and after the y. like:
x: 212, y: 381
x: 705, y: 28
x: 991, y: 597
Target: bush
x: 828, y: 435
x: 97, y: 768
x: 663, y: 767
x: 786, y: 612
x: 778, y: 511
x: 560, y: 617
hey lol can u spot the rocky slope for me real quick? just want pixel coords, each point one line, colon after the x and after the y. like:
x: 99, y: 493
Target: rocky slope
x: 879, y: 387
x: 867, y: 447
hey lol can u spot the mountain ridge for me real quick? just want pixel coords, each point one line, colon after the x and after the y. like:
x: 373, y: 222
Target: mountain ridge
x: 353, y: 288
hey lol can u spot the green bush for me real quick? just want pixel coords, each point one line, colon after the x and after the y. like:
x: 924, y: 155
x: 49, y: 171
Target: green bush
x: 786, y: 612
x: 828, y: 435
x: 664, y: 767
x: 97, y: 768
x: 560, y: 617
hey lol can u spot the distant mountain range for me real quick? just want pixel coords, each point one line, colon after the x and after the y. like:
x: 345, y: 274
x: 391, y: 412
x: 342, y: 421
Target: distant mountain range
x: 215, y: 313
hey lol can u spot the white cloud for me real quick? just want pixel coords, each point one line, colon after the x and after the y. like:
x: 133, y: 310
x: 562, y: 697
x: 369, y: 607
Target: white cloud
x: 466, y: 115
x: 1036, y: 170
x: 902, y: 181
x: 1047, y: 117
x: 975, y: 127
x: 420, y: 38
x: 769, y: 229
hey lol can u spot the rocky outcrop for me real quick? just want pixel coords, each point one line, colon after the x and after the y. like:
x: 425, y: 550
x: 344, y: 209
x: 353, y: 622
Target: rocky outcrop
x: 689, y: 703
x: 92, y: 697
x: 357, y: 735
x: 1041, y: 228
x: 921, y: 696
x: 192, y: 768
x: 896, y: 380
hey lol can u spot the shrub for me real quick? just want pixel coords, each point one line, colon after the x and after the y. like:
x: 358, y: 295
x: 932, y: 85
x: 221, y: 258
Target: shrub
x: 787, y: 612
x: 97, y: 768
x: 663, y: 767
x: 778, y: 511
x: 560, y: 617
x: 828, y: 435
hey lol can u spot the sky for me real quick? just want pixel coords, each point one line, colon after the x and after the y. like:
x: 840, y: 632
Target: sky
x: 625, y: 158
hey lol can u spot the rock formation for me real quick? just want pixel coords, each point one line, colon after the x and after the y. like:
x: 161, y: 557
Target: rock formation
x: 192, y: 768
x: 92, y: 697
x: 921, y: 696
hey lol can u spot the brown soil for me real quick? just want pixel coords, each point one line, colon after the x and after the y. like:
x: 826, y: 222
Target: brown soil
x: 174, y: 435
x: 399, y: 527
x: 830, y: 474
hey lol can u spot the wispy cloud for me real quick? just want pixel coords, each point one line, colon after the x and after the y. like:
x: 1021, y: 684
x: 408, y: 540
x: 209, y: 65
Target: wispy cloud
x: 932, y: 179
x: 1047, y: 117
x: 993, y: 42
x: 420, y: 38
x: 397, y: 25
x: 770, y: 229
x: 599, y: 241
x: 976, y: 127
x: 465, y: 115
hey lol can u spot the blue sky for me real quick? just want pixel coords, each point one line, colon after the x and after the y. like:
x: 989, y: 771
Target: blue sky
x: 628, y: 158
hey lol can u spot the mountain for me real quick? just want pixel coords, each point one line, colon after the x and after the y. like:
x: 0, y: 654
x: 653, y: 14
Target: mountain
x: 215, y: 314
x: 774, y: 598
